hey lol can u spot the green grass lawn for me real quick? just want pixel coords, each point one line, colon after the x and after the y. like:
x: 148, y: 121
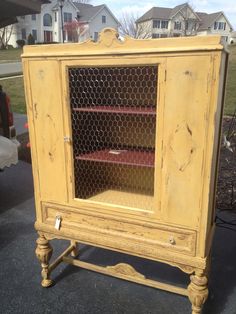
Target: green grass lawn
x: 230, y: 97
x: 15, y: 89
x: 10, y: 55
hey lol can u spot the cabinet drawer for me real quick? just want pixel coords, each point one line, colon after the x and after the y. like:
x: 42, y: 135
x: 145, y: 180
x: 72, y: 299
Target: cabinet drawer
x: 104, y: 229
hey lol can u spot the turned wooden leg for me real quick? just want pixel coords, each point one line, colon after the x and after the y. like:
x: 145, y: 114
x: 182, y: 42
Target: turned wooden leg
x: 75, y: 252
x: 198, y: 291
x: 44, y: 253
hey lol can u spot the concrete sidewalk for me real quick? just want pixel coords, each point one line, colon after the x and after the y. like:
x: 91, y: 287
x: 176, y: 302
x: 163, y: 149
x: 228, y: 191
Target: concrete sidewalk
x: 80, y: 291
x: 12, y: 68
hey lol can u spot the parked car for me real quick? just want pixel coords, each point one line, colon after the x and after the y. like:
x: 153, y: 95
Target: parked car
x: 8, y: 142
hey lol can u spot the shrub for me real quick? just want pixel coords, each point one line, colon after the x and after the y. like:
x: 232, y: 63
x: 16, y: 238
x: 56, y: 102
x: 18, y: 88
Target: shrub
x: 31, y: 40
x: 20, y: 42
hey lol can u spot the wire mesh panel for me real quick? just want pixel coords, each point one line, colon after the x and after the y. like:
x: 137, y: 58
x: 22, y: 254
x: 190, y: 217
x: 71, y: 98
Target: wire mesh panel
x: 113, y: 112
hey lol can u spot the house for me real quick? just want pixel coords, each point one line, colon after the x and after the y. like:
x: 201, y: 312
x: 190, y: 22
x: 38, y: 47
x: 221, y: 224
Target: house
x: 182, y: 20
x: 232, y: 39
x: 166, y: 22
x: 95, y: 18
x: 58, y: 21
x: 215, y: 23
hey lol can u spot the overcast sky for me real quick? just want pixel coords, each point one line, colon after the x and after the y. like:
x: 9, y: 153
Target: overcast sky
x: 140, y: 6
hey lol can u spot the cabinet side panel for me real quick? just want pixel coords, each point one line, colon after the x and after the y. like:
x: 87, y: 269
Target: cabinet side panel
x: 184, y: 137
x: 218, y: 93
x: 30, y: 119
x: 48, y: 124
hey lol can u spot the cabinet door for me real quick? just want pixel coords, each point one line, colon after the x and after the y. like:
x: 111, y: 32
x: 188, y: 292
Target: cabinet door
x: 113, y: 125
x: 188, y: 115
x: 45, y: 112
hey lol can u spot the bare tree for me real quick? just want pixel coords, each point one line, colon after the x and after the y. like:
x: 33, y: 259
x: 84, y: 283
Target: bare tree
x: 189, y: 24
x: 75, y: 29
x: 5, y: 35
x: 128, y: 26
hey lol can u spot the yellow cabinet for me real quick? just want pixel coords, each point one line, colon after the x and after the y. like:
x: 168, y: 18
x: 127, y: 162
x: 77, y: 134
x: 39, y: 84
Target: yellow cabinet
x: 125, y: 143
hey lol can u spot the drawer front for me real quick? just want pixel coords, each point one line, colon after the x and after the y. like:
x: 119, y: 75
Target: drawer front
x: 158, y: 236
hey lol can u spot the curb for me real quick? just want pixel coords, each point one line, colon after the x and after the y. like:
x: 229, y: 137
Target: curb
x: 10, y: 75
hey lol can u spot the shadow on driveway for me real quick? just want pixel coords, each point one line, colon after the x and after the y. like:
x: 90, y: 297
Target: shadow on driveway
x: 80, y: 291
x: 16, y: 186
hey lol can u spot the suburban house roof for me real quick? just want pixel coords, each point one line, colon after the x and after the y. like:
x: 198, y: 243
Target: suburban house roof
x: 155, y: 13
x: 88, y: 12
x: 57, y: 5
x: 207, y: 20
x: 178, y: 8
x: 163, y: 13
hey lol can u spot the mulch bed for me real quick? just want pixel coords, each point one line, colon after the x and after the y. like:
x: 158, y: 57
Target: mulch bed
x: 226, y: 188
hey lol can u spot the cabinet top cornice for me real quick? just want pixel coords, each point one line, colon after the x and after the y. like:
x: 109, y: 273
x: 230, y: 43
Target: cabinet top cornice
x: 110, y: 43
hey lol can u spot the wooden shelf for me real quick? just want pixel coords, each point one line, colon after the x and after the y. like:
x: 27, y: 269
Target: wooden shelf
x: 125, y: 157
x: 117, y: 109
x: 125, y: 198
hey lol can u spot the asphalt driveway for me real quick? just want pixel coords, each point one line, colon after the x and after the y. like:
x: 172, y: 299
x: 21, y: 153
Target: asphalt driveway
x: 80, y: 291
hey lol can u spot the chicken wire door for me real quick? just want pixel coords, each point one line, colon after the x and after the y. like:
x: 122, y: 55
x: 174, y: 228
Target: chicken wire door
x: 113, y: 119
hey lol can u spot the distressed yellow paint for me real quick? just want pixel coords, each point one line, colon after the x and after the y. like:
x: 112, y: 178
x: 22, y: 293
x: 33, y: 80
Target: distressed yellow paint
x: 187, y: 103
x: 178, y: 228
x: 47, y: 117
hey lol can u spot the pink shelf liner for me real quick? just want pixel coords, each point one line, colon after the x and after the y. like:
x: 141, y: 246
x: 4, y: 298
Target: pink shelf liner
x: 116, y: 109
x: 125, y: 157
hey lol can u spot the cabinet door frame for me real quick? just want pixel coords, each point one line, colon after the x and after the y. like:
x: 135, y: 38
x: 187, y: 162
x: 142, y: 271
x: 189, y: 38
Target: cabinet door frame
x: 46, y: 136
x: 112, y: 61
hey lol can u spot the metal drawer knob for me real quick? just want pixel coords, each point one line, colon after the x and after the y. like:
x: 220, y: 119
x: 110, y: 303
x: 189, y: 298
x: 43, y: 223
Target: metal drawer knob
x: 172, y: 240
x: 67, y: 139
x: 58, y: 222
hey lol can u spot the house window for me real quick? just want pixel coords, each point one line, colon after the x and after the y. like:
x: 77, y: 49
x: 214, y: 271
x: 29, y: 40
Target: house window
x: 164, y: 24
x: 33, y: 17
x: 163, y: 36
x: 104, y: 19
x: 55, y: 16
x: 225, y: 38
x: 34, y: 33
x: 177, y: 25
x: 156, y: 23
x: 47, y: 20
x: 67, y: 17
x: 220, y: 25
x: 155, y: 35
x: 23, y: 33
x: 95, y: 37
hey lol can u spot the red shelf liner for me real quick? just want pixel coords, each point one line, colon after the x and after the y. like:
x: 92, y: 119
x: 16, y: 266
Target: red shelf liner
x: 125, y: 157
x: 116, y: 109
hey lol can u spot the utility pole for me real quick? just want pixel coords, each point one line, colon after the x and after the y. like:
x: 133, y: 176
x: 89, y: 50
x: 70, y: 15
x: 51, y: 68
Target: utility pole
x: 61, y: 4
